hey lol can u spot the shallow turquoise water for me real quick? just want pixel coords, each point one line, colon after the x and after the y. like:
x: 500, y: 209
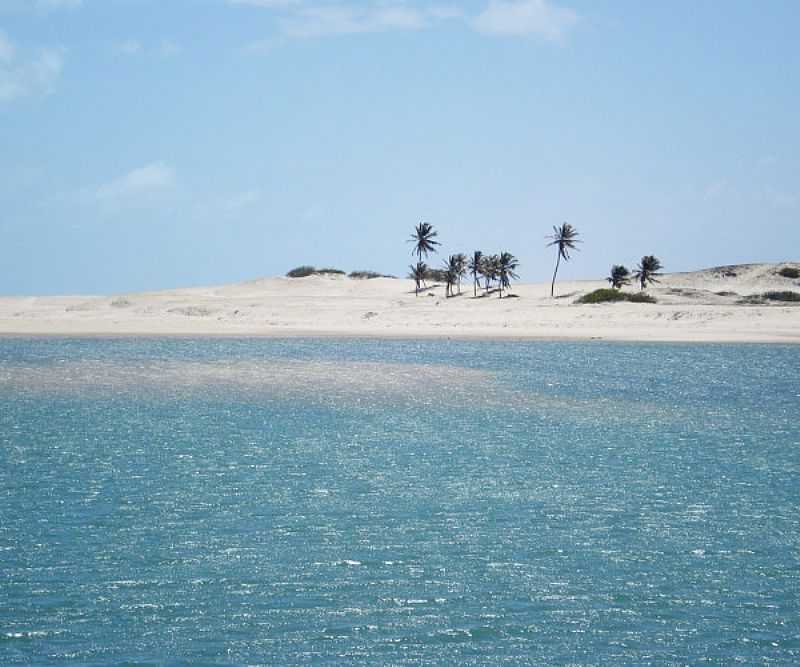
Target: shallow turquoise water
x: 388, y: 502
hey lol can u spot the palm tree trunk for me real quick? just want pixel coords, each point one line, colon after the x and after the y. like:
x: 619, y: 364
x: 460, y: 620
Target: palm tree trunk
x: 553, y: 284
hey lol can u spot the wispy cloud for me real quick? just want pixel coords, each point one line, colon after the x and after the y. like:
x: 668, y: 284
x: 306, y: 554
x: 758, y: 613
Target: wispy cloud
x: 780, y: 199
x: 524, y: 18
x: 129, y: 47
x: 49, y: 5
x: 140, y: 182
x: 318, y: 18
x: 318, y: 21
x: 23, y: 77
x: 133, y: 47
x: 716, y: 189
x: 271, y: 4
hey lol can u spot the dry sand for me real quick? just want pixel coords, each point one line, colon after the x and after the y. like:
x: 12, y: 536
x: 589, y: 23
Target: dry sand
x: 701, y: 306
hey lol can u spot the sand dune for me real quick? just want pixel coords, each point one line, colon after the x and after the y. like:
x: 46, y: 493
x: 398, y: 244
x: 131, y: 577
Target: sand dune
x: 701, y: 306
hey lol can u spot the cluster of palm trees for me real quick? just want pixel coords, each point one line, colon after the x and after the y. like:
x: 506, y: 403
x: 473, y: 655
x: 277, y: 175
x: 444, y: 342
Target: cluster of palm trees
x: 647, y: 272
x: 491, y: 269
x: 501, y: 269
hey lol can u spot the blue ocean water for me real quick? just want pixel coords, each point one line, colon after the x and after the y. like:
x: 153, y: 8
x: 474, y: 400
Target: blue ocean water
x: 289, y: 502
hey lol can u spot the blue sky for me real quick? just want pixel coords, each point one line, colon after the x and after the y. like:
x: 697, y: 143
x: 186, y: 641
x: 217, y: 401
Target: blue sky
x: 163, y: 143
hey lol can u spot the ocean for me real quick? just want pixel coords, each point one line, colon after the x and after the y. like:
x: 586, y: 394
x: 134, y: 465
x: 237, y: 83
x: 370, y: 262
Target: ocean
x: 380, y: 502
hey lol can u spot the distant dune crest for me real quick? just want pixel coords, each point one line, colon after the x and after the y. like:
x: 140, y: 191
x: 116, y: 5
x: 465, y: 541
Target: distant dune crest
x: 735, y: 303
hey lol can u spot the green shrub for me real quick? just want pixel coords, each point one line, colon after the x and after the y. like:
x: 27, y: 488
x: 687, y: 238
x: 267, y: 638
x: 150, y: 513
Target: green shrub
x: 606, y: 295
x: 301, y: 272
x: 640, y: 297
x: 436, y: 275
x: 789, y: 272
x: 786, y: 295
x: 368, y: 275
x: 761, y: 299
x: 752, y: 300
x: 305, y: 271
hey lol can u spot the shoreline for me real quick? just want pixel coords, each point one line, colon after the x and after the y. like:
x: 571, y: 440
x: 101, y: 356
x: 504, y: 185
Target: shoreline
x: 404, y: 336
x: 711, y: 306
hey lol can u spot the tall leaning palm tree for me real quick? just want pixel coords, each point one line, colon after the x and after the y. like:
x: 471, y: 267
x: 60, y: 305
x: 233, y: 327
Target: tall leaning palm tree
x: 566, y: 238
x: 474, y: 267
x: 648, y: 270
x: 619, y: 277
x: 506, y: 270
x: 418, y: 273
x: 423, y: 239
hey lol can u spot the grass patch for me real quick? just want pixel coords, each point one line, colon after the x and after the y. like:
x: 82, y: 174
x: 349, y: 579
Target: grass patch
x: 436, y: 275
x: 608, y: 295
x: 367, y: 275
x: 305, y: 271
x: 786, y: 295
x: 301, y: 272
x: 789, y: 272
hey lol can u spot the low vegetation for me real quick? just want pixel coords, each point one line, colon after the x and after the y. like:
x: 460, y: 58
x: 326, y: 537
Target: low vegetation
x: 761, y: 299
x: 305, y: 271
x: 610, y: 295
x: 367, y: 275
x: 789, y: 272
x: 784, y: 295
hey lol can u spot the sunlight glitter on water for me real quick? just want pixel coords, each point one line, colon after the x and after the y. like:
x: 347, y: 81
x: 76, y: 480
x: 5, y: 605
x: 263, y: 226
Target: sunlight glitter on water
x: 261, y: 502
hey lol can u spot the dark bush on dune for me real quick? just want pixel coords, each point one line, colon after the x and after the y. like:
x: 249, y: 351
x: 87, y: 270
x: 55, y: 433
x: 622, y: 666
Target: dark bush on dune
x: 607, y: 295
x: 761, y: 299
x: 301, y: 272
x: 787, y: 295
x: 789, y: 272
x: 436, y: 275
x: 305, y: 271
x: 367, y: 275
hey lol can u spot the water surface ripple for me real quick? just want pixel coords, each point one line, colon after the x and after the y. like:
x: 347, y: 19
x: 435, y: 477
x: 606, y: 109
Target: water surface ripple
x: 232, y: 502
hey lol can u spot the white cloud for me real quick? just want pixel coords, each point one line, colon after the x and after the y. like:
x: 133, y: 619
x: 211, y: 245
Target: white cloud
x: 319, y: 21
x: 142, y: 181
x: 30, y: 76
x: 240, y: 201
x: 7, y: 50
x: 780, y: 199
x: 48, y: 5
x: 133, y: 47
x: 523, y: 18
x: 716, y: 189
x: 169, y: 48
x: 443, y: 12
x: 317, y: 18
x: 130, y: 47
x: 272, y: 4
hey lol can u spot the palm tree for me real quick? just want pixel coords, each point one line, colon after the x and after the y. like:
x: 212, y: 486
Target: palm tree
x: 460, y: 268
x: 507, y: 265
x: 648, y: 270
x: 423, y: 240
x: 565, y: 237
x: 489, y: 268
x: 474, y: 267
x: 450, y: 274
x: 418, y: 273
x: 620, y: 276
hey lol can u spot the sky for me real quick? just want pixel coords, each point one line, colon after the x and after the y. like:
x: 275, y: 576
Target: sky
x: 148, y: 144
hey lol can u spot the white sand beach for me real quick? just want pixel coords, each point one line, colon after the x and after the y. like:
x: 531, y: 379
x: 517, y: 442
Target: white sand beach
x: 701, y: 306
